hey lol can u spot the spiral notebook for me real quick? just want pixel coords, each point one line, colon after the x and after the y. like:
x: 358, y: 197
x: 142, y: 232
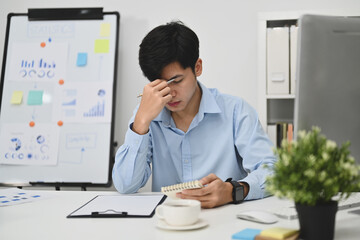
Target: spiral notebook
x: 171, y: 190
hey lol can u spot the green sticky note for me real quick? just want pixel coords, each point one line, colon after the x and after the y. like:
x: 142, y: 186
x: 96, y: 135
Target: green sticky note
x: 105, y: 30
x: 16, y: 97
x: 101, y: 46
x: 35, y: 97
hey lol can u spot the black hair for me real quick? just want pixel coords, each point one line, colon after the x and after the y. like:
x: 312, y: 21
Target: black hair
x: 165, y: 44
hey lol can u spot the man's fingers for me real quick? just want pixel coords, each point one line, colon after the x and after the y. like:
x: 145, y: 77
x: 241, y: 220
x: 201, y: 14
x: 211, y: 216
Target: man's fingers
x: 197, y: 192
x: 167, y: 98
x: 157, y: 88
x: 161, y: 85
x: 165, y: 91
x: 208, y: 179
x: 156, y: 85
x: 206, y: 200
x: 155, y: 82
x: 194, y: 197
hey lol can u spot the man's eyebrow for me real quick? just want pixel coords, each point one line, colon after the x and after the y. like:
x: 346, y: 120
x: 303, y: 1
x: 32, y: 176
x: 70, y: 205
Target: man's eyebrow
x: 176, y: 76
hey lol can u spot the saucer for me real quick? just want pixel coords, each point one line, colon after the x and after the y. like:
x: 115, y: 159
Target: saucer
x: 199, y: 224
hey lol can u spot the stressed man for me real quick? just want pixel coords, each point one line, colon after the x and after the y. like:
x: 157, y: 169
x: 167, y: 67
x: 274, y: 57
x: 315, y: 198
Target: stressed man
x: 182, y: 131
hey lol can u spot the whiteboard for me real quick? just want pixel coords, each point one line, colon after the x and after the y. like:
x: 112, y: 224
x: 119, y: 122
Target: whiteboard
x: 57, y: 100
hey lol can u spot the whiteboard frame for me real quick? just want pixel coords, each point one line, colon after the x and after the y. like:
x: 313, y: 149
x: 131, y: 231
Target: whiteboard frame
x: 112, y: 144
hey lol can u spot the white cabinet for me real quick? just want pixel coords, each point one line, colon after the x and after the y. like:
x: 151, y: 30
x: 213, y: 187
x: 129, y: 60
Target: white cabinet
x: 278, y: 106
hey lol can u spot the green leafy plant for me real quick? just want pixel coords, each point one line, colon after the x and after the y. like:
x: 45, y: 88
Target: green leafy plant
x: 313, y: 169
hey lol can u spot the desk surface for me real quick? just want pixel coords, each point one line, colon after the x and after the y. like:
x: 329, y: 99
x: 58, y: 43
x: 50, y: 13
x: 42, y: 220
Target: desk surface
x: 46, y: 219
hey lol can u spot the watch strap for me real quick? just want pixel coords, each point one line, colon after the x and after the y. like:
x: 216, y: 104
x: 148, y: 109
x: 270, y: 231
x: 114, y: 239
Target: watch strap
x: 237, y: 191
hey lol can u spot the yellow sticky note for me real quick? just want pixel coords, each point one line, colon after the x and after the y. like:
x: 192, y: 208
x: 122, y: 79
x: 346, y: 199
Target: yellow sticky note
x: 16, y: 97
x: 101, y: 46
x: 105, y: 30
x: 278, y: 232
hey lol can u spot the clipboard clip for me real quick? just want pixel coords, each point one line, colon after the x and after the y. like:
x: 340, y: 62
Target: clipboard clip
x: 109, y: 212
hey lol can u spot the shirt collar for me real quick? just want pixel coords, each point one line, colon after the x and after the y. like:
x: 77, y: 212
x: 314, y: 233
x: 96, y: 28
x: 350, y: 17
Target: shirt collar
x: 208, y: 104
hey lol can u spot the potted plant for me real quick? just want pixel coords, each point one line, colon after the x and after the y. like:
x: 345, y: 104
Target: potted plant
x: 311, y: 171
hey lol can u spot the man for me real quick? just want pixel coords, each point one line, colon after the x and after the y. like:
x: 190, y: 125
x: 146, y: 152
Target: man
x: 187, y: 131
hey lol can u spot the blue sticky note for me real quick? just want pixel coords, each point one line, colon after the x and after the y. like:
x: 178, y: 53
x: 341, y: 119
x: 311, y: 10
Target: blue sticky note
x: 35, y: 97
x: 246, y: 234
x: 81, y: 59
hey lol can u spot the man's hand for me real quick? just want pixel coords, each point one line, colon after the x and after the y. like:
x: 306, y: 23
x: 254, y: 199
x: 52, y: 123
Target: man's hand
x: 155, y: 96
x: 216, y: 193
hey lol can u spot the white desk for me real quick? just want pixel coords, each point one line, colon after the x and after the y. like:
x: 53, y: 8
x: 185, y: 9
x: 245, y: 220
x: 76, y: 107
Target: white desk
x: 46, y: 219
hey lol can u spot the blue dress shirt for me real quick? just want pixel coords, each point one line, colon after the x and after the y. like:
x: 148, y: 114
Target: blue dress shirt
x: 224, y: 138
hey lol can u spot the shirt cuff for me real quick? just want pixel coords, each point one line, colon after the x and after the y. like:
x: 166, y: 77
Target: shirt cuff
x: 255, y: 191
x: 135, y: 139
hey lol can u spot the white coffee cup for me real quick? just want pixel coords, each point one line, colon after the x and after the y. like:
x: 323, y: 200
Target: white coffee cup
x: 179, y: 212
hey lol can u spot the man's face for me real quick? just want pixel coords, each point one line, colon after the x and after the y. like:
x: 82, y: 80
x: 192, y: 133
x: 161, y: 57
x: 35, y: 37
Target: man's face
x: 184, y: 88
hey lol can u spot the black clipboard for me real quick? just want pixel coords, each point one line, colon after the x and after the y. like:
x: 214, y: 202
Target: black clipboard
x: 119, y: 206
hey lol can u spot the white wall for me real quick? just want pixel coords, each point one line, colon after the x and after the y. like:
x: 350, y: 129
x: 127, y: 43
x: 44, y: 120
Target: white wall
x: 227, y: 31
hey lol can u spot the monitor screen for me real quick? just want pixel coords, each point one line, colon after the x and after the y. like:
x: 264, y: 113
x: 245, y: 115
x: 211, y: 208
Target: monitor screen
x: 328, y: 78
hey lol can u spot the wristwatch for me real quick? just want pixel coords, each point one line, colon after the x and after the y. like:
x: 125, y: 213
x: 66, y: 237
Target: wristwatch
x: 237, y: 192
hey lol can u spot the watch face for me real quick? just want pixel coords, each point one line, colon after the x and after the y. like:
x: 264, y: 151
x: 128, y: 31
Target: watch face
x: 238, y: 192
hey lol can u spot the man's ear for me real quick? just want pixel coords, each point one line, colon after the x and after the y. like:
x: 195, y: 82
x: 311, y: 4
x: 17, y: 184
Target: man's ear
x: 198, y: 67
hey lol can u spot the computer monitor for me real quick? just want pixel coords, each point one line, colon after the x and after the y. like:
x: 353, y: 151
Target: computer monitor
x: 328, y: 78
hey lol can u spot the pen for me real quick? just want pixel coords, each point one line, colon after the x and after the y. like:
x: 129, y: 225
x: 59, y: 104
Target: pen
x: 168, y: 82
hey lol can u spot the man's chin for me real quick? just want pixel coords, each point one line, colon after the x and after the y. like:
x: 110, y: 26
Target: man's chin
x: 174, y: 109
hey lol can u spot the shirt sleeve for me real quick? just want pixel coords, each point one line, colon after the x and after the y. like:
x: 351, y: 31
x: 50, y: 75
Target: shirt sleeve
x: 255, y: 148
x: 132, y: 169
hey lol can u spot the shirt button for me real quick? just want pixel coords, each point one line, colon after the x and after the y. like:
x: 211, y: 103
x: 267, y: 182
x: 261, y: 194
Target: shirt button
x: 186, y: 161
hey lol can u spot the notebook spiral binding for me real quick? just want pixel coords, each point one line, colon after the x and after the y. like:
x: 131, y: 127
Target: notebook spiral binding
x: 173, y: 189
